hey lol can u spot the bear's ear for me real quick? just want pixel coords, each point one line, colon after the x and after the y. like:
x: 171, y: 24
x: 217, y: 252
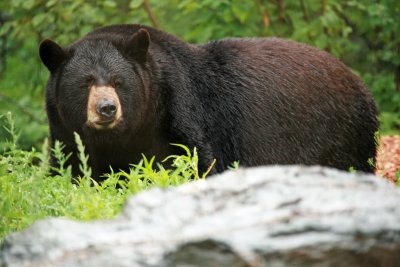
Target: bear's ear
x: 51, y: 54
x: 138, y: 44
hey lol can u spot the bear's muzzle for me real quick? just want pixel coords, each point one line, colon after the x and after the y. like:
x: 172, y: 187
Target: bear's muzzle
x: 103, y: 108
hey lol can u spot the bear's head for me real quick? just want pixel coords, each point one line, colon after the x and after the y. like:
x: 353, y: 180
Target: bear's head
x: 99, y: 84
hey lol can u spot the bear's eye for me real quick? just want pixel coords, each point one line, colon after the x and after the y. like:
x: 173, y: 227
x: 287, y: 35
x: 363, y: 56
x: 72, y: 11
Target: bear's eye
x: 89, y: 78
x: 117, y: 84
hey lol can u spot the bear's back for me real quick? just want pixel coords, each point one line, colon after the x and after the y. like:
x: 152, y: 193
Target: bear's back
x: 289, y: 91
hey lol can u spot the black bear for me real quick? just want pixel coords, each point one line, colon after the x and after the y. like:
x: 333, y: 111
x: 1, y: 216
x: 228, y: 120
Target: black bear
x: 132, y: 89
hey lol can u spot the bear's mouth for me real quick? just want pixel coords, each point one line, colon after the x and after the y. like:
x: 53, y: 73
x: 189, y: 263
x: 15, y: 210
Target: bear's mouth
x: 104, y: 122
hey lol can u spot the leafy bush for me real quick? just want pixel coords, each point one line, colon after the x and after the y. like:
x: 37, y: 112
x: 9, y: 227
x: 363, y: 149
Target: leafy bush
x: 28, y: 193
x: 364, y: 34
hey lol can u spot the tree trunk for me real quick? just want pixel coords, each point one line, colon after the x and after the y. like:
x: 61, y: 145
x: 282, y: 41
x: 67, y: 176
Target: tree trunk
x: 303, y: 10
x: 150, y: 13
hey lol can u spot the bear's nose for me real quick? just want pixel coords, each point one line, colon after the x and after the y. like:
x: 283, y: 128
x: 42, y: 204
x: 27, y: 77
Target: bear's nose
x: 106, y: 108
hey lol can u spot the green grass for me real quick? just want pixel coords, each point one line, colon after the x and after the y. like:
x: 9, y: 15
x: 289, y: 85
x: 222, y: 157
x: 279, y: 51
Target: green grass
x: 28, y: 193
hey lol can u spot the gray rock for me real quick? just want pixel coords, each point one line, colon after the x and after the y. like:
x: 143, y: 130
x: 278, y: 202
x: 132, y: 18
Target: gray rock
x: 267, y: 216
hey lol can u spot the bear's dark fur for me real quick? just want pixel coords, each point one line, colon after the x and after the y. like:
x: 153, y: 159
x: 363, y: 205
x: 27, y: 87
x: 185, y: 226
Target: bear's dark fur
x: 256, y: 100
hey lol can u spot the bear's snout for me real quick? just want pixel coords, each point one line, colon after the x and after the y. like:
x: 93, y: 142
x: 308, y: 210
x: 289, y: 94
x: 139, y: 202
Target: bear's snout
x: 106, y: 108
x: 103, y: 108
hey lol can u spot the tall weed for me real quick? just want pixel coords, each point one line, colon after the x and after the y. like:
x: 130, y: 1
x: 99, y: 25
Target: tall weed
x: 29, y: 193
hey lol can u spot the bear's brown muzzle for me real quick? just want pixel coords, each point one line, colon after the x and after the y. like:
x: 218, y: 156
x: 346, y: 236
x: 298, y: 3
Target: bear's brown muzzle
x: 104, y: 108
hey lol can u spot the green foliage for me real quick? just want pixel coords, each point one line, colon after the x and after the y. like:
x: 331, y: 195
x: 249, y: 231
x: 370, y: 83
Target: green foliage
x: 234, y: 165
x: 83, y: 158
x: 352, y: 170
x: 389, y: 122
x: 28, y: 193
x: 364, y: 34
